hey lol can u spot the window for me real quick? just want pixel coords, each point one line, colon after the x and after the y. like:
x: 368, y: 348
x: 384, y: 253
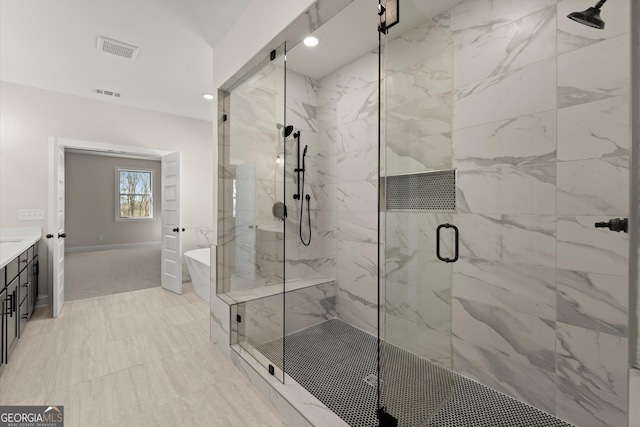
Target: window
x: 134, y: 197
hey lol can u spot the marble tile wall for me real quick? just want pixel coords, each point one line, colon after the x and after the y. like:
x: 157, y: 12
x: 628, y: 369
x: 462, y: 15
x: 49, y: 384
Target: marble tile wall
x: 541, y: 144
x: 256, y: 143
x: 348, y: 144
x: 302, y: 308
x: 532, y: 110
x: 318, y: 258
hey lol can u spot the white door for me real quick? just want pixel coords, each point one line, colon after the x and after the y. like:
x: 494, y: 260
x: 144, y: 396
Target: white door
x: 56, y: 226
x: 245, y: 220
x: 171, y: 229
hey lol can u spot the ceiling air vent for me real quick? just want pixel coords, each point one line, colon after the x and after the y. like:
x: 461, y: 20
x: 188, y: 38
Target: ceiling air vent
x: 118, y: 48
x: 107, y: 92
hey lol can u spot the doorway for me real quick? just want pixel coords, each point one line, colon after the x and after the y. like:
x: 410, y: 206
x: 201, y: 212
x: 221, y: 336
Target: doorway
x: 168, y: 205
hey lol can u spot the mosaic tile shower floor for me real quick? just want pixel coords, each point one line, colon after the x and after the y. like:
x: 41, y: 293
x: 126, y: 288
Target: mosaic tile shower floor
x: 336, y: 362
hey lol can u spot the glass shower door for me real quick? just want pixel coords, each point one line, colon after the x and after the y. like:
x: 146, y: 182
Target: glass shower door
x: 251, y: 245
x: 417, y: 235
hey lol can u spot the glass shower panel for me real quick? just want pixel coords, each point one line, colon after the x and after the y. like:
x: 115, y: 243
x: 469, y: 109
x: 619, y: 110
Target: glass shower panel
x: 251, y: 246
x: 418, y: 244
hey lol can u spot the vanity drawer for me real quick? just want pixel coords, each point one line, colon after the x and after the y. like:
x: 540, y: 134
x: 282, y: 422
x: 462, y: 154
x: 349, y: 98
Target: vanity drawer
x: 24, y: 259
x: 13, y: 268
x: 25, y: 282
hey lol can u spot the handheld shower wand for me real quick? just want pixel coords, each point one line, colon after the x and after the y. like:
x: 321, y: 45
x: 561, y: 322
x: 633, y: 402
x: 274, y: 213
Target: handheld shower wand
x: 302, y: 199
x: 300, y: 194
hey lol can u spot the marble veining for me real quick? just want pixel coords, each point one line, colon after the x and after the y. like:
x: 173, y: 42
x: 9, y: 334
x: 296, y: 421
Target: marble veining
x: 528, y: 90
x: 520, y: 380
x: 585, y: 406
x: 529, y: 239
x: 593, y: 301
x: 582, y: 191
x: 512, y: 190
x: 524, y: 288
x: 526, y: 338
x: 594, y: 130
x: 510, y: 47
x: 608, y: 76
x: 471, y: 19
x: 582, y: 247
x: 519, y: 141
x: 593, y: 359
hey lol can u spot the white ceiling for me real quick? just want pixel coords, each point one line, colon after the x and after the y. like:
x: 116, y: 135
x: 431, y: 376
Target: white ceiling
x: 51, y: 44
x: 353, y: 32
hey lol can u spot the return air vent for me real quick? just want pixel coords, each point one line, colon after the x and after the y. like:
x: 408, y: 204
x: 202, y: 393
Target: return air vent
x: 428, y: 191
x: 107, y: 92
x: 118, y: 48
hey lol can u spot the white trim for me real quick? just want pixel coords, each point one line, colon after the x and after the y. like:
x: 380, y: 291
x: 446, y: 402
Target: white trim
x: 112, y: 148
x: 110, y: 247
x: 151, y: 172
x: 42, y: 300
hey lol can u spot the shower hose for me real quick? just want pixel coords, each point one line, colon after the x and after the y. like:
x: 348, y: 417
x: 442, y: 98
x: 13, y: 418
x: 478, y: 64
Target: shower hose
x: 302, y: 199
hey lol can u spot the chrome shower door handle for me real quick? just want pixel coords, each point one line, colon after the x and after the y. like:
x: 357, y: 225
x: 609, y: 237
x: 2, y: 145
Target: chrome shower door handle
x: 456, y: 233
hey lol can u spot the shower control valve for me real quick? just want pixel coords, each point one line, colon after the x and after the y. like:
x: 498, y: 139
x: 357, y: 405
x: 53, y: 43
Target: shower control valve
x: 615, y: 224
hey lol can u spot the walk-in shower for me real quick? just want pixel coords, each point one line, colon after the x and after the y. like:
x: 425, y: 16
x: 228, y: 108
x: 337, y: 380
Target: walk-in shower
x: 451, y: 171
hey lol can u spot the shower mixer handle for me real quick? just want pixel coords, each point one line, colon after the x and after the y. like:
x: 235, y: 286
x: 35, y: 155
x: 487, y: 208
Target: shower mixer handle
x: 615, y: 224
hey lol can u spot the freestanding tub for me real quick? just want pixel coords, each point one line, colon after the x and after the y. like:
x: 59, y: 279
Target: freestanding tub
x: 198, y: 261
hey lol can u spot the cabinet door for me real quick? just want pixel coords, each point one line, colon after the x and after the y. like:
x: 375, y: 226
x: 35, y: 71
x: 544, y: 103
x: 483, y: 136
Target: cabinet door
x: 32, y: 284
x: 23, y: 316
x: 11, y: 316
x: 35, y: 282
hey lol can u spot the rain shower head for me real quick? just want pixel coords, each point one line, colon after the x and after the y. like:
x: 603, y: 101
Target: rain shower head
x: 589, y: 17
x: 287, y: 130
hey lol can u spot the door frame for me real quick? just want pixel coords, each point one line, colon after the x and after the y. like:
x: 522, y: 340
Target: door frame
x: 97, y: 148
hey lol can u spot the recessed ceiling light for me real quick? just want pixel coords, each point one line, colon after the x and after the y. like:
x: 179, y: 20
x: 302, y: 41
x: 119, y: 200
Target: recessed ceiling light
x: 311, y: 41
x: 207, y: 96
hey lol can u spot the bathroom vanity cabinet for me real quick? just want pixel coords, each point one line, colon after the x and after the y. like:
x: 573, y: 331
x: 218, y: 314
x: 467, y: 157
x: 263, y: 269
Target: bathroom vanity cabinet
x: 18, y: 295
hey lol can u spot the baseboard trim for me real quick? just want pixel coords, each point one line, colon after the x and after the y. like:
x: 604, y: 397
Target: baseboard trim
x: 42, y: 300
x: 109, y: 247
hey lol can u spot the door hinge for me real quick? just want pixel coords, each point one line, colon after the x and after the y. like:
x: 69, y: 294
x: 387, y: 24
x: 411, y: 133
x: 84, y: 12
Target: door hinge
x: 272, y: 55
x: 272, y: 370
x: 238, y: 318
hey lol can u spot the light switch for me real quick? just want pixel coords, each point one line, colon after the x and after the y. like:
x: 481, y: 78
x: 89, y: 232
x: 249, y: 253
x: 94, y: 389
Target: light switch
x: 31, y: 214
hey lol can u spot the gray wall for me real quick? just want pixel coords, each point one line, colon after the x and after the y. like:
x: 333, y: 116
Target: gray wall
x: 90, y: 202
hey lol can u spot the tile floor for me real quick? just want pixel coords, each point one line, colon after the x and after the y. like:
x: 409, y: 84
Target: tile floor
x: 140, y: 358
x: 99, y: 273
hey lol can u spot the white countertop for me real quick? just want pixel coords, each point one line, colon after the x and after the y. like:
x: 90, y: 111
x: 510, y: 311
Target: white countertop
x: 14, y: 241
